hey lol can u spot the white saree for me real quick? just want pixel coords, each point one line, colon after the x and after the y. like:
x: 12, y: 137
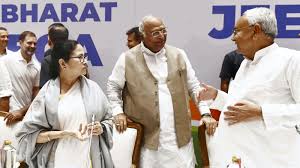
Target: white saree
x: 43, y: 116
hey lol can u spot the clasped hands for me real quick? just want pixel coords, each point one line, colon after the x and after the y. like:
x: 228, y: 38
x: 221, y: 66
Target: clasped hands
x: 241, y: 111
x: 85, y: 130
x: 13, y: 117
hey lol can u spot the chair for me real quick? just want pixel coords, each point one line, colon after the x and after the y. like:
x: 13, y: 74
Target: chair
x: 126, y: 150
x: 202, y: 139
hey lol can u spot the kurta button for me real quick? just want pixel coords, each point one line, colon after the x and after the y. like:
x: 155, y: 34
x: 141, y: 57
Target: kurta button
x: 155, y: 82
x: 156, y: 103
x: 156, y: 93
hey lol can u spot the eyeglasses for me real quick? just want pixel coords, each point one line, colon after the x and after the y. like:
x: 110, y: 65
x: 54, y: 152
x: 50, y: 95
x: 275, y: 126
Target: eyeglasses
x: 82, y: 57
x: 237, y: 30
x: 158, y: 32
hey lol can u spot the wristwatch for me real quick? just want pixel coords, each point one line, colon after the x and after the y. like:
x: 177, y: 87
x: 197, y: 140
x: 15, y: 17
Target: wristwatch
x: 206, y: 115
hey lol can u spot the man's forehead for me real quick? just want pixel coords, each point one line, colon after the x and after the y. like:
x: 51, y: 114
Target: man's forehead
x: 30, y: 38
x: 154, y: 24
x: 3, y: 32
x: 241, y: 22
x: 131, y: 35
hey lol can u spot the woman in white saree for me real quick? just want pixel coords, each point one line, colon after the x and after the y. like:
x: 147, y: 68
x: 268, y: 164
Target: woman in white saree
x: 69, y: 122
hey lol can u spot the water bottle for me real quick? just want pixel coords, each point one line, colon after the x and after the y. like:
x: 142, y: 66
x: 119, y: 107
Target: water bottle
x: 8, y: 155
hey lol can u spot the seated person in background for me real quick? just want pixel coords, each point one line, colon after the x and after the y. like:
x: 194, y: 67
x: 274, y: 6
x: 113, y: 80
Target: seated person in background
x: 230, y: 66
x: 69, y: 108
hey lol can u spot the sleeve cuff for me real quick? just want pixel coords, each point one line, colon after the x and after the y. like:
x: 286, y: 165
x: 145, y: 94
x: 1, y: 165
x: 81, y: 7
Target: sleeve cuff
x: 117, y: 110
x: 219, y: 101
x: 5, y: 93
x: 203, y: 108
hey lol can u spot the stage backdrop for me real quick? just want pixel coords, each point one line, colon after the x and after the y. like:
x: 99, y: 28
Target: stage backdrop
x: 203, y: 28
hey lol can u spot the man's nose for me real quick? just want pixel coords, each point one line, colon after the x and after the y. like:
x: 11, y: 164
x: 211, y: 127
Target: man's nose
x: 33, y: 45
x: 233, y: 37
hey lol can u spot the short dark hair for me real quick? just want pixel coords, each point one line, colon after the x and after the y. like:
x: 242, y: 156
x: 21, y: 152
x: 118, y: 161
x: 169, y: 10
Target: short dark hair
x: 24, y: 34
x: 58, y: 33
x: 61, y: 50
x: 55, y: 25
x: 137, y: 34
x: 3, y: 28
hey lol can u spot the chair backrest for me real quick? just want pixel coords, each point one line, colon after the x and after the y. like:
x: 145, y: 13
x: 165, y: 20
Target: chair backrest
x: 203, y: 138
x: 127, y: 146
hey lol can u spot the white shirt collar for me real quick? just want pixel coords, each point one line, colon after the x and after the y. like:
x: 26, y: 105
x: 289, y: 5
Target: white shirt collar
x: 20, y: 57
x: 264, y: 51
x: 5, y: 53
x: 146, y: 51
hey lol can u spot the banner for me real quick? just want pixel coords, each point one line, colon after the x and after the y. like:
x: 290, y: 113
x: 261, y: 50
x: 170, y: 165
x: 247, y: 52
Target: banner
x: 203, y: 28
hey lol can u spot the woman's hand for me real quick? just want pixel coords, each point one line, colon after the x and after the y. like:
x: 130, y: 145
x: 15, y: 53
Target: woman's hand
x: 81, y: 134
x: 85, y: 130
x: 96, y: 127
x: 74, y: 134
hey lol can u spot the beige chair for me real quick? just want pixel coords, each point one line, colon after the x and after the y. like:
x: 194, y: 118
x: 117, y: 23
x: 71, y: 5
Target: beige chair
x: 126, y: 150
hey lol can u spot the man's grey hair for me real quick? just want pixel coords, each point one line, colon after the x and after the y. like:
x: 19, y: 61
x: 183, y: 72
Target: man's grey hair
x: 142, y: 23
x: 144, y: 20
x: 265, y: 17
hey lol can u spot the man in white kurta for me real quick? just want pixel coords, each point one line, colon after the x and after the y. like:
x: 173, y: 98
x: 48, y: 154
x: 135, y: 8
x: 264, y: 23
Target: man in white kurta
x: 168, y: 153
x: 24, y: 73
x: 262, y: 108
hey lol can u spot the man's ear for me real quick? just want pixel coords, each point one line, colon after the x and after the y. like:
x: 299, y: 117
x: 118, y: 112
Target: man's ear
x: 257, y: 30
x: 20, y: 42
x: 50, y: 43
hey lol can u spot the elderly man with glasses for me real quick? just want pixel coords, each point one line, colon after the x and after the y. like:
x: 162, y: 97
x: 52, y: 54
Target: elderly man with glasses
x: 261, y: 112
x: 151, y: 84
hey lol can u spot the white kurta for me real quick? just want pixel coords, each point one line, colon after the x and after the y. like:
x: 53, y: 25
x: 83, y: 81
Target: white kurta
x: 5, y: 91
x: 271, y: 80
x: 24, y: 76
x: 71, y: 152
x: 168, y: 154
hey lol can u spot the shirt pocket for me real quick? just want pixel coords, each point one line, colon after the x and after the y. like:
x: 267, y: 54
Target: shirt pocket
x: 265, y: 92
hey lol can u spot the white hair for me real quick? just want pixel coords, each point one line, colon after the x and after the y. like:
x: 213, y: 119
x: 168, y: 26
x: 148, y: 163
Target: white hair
x: 144, y: 20
x: 142, y: 23
x: 265, y: 17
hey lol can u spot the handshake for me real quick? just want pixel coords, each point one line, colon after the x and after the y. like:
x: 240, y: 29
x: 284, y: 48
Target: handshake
x: 207, y: 92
